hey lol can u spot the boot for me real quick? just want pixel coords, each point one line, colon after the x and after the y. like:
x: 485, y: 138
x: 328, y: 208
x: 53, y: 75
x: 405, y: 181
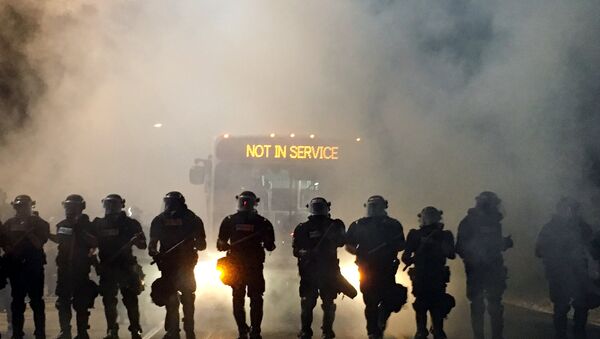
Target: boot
x: 82, y: 334
x: 422, y: 332
x: 560, y: 321
x: 64, y: 320
x: 477, y: 320
x: 437, y: 329
x: 496, y: 311
x: 243, y: 332
x: 172, y: 335
x: 328, y: 319
x: 305, y: 335
x: 112, y: 334
x: 64, y: 334
x: 307, y: 304
x: 256, y: 316
x: 579, y: 323
x: 136, y: 335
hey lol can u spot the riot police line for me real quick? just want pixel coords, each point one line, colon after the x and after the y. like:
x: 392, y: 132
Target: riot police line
x: 177, y: 235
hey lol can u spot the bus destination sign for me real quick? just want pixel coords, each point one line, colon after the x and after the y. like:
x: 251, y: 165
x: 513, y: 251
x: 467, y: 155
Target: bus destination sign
x: 294, y: 152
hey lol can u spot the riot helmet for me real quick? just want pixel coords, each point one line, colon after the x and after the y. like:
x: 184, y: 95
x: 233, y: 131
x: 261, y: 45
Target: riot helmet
x: 113, y: 204
x: 23, y: 205
x: 319, y: 206
x: 74, y: 205
x: 247, y: 201
x: 488, y: 201
x: 430, y: 216
x: 174, y: 202
x: 376, y: 206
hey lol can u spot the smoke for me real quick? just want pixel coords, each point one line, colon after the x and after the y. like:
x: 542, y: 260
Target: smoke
x: 454, y: 97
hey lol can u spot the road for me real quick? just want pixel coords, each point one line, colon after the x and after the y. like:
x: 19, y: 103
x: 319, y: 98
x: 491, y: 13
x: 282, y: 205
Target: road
x: 214, y: 319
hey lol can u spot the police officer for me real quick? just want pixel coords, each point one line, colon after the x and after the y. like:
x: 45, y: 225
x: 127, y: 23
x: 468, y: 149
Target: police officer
x: 180, y: 234
x: 376, y: 240
x: 315, y: 245
x: 22, y: 238
x: 245, y: 236
x: 118, y: 268
x: 480, y: 244
x: 562, y: 244
x: 427, y: 248
x: 76, y: 241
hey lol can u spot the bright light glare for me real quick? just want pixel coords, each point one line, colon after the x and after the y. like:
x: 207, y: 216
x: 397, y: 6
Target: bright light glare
x: 312, y: 136
x: 207, y: 275
x: 358, y: 139
x: 272, y: 135
x: 226, y: 135
x: 292, y: 135
x: 158, y: 125
x: 351, y: 273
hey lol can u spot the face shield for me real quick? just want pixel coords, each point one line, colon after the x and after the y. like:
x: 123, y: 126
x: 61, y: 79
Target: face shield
x: 112, y: 206
x: 430, y: 216
x: 73, y: 208
x: 247, y: 203
x: 23, y: 207
x: 376, y: 208
x: 319, y: 206
x: 171, y: 205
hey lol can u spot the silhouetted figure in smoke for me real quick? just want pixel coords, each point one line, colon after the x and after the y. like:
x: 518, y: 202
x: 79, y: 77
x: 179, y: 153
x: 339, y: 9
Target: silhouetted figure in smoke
x: 181, y: 235
x: 6, y: 211
x: 480, y: 244
x: 427, y: 248
x: 245, y: 236
x: 315, y: 245
x: 563, y: 244
x: 118, y: 267
x: 22, y: 238
x: 76, y: 241
x: 376, y: 240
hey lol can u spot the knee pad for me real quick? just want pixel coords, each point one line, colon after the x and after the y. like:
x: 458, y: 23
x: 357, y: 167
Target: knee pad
x: 477, y: 305
x: 328, y: 307
x: 256, y: 301
x: 420, y: 306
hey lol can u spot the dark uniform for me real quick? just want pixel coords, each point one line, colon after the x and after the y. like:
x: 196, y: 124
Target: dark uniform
x: 245, y: 235
x: 376, y: 241
x: 315, y: 245
x: 119, y: 269
x: 428, y: 248
x: 181, y: 235
x: 76, y: 240
x: 481, y: 245
x: 22, y: 239
x: 562, y: 245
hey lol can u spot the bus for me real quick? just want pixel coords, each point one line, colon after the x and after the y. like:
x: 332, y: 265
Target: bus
x: 284, y: 172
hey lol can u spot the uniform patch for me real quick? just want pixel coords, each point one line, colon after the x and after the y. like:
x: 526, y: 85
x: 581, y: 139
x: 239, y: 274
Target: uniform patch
x: 173, y: 222
x: 20, y: 227
x: 109, y: 232
x: 65, y: 230
x: 314, y: 234
x: 244, y: 227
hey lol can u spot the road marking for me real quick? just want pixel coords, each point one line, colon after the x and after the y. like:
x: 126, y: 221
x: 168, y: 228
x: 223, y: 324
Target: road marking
x: 153, y: 331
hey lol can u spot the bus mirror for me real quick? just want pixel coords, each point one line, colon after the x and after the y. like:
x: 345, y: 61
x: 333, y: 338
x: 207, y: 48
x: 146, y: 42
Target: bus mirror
x: 197, y: 174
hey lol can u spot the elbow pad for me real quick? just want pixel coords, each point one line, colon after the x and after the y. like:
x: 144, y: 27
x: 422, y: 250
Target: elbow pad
x: 222, y: 246
x: 270, y: 246
x: 200, y: 244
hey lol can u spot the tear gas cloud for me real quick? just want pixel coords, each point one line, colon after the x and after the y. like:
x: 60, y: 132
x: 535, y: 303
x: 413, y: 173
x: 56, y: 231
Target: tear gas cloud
x: 454, y: 97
